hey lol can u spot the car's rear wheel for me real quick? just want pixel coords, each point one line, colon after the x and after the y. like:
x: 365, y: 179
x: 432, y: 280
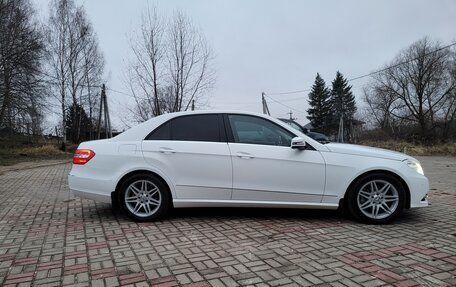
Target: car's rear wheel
x: 376, y: 198
x: 144, y: 197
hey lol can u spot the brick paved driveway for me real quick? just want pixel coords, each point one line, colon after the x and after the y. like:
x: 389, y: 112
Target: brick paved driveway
x: 48, y: 237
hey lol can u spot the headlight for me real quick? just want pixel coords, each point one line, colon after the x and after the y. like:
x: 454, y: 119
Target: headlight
x: 415, y: 165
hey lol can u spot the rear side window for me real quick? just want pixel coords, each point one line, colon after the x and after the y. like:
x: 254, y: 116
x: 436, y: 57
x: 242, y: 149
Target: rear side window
x: 162, y: 133
x: 196, y: 128
x: 189, y: 128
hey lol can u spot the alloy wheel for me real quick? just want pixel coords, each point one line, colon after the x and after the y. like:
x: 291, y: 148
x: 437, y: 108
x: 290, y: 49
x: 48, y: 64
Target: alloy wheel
x: 378, y: 199
x: 142, y: 198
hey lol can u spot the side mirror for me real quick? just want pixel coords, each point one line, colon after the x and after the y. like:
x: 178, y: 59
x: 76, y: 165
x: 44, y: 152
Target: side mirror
x: 298, y: 143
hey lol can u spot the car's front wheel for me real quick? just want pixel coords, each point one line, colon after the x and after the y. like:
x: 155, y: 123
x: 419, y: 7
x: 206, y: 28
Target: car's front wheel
x: 376, y: 198
x: 144, y: 197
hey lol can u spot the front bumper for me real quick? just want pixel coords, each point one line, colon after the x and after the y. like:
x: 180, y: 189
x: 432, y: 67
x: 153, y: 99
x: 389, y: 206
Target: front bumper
x: 419, y: 188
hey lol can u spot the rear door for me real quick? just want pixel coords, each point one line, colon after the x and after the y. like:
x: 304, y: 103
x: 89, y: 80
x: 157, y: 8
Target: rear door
x: 192, y: 151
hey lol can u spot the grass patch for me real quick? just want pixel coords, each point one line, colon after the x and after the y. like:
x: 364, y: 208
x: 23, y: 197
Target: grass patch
x: 15, y: 148
x: 447, y: 149
x: 11, y: 155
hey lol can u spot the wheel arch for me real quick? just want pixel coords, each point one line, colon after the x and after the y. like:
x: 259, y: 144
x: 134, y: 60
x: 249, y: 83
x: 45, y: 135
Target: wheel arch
x: 114, y: 194
x: 406, y: 188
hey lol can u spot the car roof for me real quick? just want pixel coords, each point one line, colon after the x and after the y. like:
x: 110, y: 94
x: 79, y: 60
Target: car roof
x: 137, y: 132
x: 141, y: 130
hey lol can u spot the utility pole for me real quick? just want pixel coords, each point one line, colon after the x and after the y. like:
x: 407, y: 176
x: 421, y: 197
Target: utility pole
x: 107, y: 119
x: 340, y: 133
x: 291, y: 116
x: 265, y: 105
x: 100, y: 112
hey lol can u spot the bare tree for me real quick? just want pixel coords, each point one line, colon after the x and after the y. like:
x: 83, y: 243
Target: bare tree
x: 58, y: 31
x: 382, y: 107
x: 21, y: 100
x: 75, y: 61
x: 146, y: 75
x: 86, y: 68
x: 417, y: 87
x: 188, y: 59
x: 449, y: 107
x: 93, y: 66
x: 171, y: 66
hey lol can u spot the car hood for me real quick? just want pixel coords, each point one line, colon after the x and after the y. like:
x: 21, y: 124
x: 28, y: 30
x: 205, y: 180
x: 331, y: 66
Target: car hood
x: 366, y: 151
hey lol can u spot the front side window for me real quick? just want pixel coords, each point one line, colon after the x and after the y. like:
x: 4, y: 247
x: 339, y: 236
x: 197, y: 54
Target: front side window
x: 254, y: 130
x: 189, y: 128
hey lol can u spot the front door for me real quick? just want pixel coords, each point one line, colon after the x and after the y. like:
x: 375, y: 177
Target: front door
x: 265, y: 168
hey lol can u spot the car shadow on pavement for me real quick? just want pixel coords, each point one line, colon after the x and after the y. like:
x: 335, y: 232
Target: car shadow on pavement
x: 317, y: 215
x: 252, y: 213
x: 236, y: 213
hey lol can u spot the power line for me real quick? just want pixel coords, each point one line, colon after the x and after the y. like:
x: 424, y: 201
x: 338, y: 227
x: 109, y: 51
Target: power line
x: 372, y: 73
x: 120, y: 92
x: 235, y: 103
x: 293, y: 99
x: 402, y: 63
x: 272, y: 99
x: 268, y: 95
x: 291, y: 92
x: 128, y: 95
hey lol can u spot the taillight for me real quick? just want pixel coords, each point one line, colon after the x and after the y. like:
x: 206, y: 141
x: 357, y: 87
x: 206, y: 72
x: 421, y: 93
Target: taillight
x: 82, y: 156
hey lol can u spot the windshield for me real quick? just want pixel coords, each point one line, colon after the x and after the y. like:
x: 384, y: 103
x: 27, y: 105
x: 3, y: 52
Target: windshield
x: 319, y: 137
x: 295, y: 126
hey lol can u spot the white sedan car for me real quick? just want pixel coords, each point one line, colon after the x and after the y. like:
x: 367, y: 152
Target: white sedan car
x: 241, y: 159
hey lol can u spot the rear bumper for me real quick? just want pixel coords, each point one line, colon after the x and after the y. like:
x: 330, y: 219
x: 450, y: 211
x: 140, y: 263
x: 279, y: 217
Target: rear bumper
x: 90, y: 188
x: 91, y: 195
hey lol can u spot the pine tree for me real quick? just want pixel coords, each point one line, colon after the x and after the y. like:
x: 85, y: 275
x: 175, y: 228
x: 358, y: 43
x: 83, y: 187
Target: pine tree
x: 343, y: 105
x: 319, y: 113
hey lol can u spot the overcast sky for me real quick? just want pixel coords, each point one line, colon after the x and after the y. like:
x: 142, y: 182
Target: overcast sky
x: 275, y: 46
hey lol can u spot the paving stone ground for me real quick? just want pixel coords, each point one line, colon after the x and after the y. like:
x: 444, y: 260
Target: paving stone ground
x: 50, y: 238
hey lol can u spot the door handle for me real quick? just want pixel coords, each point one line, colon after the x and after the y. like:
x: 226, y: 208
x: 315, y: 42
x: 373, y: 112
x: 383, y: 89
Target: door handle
x: 166, y: 150
x: 244, y: 155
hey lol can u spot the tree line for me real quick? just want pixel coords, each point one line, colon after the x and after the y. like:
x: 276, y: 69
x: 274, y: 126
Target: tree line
x: 56, y: 67
x: 412, y: 98
x: 22, y: 102
x: 51, y: 67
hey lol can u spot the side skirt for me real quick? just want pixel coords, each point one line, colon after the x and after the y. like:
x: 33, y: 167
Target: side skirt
x: 181, y: 203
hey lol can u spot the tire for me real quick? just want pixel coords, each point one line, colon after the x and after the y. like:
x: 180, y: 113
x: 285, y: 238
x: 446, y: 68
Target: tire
x: 376, y: 198
x: 144, y: 197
